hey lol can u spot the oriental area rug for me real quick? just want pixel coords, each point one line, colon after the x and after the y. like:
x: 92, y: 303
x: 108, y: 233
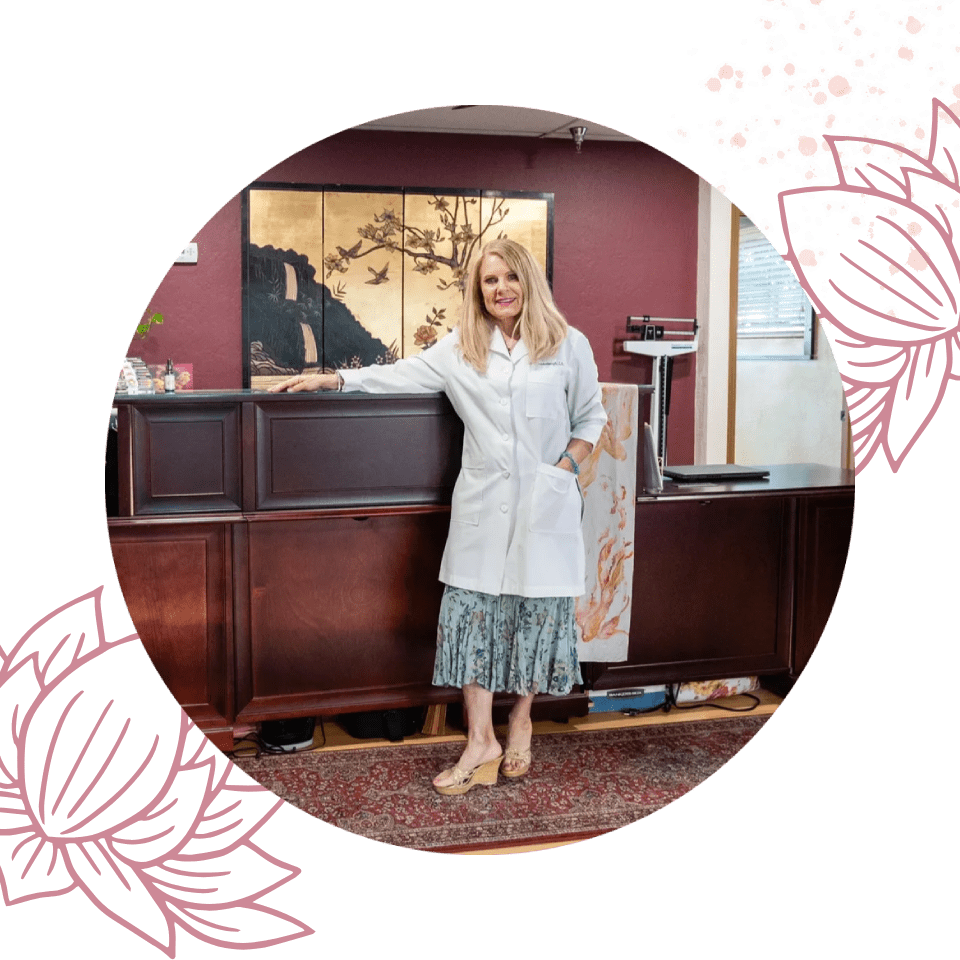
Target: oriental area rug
x: 579, y: 786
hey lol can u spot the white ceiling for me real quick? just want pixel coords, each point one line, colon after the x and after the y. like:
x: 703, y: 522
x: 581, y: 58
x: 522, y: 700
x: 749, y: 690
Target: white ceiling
x: 493, y: 120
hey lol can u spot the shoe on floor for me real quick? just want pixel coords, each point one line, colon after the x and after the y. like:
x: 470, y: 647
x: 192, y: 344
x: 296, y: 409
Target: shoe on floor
x: 484, y: 775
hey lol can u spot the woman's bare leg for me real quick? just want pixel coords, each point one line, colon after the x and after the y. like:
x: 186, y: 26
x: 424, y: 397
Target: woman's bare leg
x: 520, y: 731
x: 482, y: 743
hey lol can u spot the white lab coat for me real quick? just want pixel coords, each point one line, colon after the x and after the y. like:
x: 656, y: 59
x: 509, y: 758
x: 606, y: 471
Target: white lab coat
x: 515, y: 516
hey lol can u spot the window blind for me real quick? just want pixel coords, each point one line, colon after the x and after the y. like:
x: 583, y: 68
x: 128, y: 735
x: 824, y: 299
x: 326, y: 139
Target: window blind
x: 771, y: 303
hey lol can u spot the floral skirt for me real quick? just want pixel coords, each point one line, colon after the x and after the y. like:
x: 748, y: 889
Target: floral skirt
x: 506, y: 644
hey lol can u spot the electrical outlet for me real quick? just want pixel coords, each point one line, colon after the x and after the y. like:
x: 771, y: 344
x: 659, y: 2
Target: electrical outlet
x: 190, y: 254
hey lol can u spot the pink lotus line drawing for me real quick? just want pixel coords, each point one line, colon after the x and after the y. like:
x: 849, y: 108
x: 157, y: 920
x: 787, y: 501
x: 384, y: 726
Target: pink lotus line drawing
x: 116, y: 792
x: 890, y: 287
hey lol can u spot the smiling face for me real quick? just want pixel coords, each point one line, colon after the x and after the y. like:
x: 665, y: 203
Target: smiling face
x: 501, y: 289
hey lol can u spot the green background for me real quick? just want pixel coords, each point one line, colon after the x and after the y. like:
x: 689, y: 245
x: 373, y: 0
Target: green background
x: 126, y: 129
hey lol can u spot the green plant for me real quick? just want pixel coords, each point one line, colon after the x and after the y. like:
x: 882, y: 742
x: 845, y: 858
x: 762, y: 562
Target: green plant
x: 144, y: 328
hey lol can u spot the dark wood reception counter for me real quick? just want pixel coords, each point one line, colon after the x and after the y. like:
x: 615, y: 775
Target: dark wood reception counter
x: 279, y: 554
x: 734, y: 579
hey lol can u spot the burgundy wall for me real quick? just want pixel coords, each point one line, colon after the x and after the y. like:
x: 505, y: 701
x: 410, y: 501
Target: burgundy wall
x: 201, y: 307
x: 625, y: 243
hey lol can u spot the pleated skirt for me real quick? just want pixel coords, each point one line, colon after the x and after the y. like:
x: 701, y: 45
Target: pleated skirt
x: 506, y: 643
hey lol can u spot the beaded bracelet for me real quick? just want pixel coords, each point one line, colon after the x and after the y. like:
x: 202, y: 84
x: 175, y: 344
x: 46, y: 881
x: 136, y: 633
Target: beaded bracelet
x: 573, y: 463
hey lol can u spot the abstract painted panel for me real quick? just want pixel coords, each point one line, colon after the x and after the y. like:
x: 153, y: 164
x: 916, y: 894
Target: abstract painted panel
x: 608, y: 478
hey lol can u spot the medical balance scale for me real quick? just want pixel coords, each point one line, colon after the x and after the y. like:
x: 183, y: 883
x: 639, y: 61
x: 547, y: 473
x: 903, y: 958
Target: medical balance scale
x: 662, y: 338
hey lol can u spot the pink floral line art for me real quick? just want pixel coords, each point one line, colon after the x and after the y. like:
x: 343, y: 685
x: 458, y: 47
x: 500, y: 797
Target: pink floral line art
x: 111, y: 789
x: 890, y: 287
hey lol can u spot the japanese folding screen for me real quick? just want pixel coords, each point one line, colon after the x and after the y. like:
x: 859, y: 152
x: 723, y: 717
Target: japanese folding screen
x: 345, y: 277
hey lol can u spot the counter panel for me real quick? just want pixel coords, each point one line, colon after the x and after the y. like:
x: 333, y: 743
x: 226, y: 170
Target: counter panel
x: 359, y: 451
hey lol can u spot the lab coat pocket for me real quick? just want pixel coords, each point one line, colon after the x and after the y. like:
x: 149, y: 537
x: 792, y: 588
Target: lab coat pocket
x: 557, y: 503
x: 467, y: 499
x: 546, y: 392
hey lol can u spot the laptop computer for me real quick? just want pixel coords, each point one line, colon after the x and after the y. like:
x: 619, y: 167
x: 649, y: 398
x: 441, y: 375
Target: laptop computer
x: 714, y: 473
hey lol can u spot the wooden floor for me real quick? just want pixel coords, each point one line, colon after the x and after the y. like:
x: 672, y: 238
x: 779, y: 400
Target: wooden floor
x: 334, y: 737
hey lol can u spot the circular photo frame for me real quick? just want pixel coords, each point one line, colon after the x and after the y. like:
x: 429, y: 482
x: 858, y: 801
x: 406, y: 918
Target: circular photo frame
x: 835, y: 132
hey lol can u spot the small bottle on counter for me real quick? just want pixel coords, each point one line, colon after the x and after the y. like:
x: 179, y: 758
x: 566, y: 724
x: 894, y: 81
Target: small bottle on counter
x: 169, y: 379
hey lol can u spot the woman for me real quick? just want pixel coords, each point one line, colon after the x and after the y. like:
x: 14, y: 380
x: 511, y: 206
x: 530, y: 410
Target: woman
x: 525, y: 385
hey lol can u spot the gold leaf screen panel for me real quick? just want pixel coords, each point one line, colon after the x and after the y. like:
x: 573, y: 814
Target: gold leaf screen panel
x: 394, y: 260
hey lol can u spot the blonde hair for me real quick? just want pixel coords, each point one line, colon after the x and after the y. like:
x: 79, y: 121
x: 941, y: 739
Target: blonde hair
x: 542, y: 326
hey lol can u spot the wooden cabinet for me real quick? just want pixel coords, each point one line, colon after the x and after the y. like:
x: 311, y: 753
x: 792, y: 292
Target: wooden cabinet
x: 824, y: 527
x: 182, y: 457
x: 176, y: 580
x: 342, y: 613
x: 711, y: 583
x: 351, y: 451
x: 279, y: 557
x: 734, y: 579
x: 279, y: 553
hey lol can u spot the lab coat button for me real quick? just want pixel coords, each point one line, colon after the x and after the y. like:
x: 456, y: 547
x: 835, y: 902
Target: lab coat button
x: 506, y: 474
x: 506, y: 436
x: 503, y: 508
x: 503, y: 401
